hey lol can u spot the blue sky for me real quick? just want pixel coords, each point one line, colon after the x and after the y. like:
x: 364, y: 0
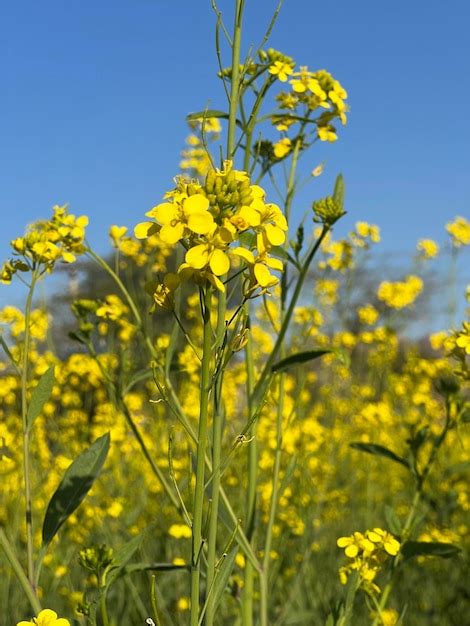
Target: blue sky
x: 94, y: 96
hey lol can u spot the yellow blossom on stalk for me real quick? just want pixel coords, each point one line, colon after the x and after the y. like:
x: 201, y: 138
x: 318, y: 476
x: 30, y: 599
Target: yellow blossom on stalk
x: 459, y: 230
x: 366, y: 553
x: 45, y: 242
x: 282, y: 147
x: 183, y: 604
x: 281, y: 70
x: 327, y: 133
x: 185, y: 213
x: 116, y: 233
x: 260, y: 267
x: 368, y: 314
x: 46, y: 617
x: 400, y: 294
x: 428, y: 248
x: 180, y: 531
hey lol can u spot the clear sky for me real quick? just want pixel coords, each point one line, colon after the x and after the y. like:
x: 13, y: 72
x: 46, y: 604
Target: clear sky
x: 94, y: 94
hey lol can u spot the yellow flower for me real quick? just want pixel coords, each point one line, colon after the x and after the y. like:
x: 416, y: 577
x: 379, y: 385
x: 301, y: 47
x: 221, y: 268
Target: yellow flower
x: 282, y: 147
x: 428, y: 248
x: 459, y: 230
x: 116, y: 233
x: 281, y: 70
x: 327, y: 133
x: 367, y: 314
x: 259, y: 267
x: 177, y: 217
x: 46, y: 617
x: 179, y: 531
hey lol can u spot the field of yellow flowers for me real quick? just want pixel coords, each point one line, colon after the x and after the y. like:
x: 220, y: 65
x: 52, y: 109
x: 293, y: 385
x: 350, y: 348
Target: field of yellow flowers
x: 229, y: 420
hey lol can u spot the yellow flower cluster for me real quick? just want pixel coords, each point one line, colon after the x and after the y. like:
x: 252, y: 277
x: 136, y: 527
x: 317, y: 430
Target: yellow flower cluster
x: 427, y: 248
x: 367, y: 553
x: 459, y: 230
x: 209, y: 220
x: 46, y: 242
x: 400, y: 294
x: 310, y: 91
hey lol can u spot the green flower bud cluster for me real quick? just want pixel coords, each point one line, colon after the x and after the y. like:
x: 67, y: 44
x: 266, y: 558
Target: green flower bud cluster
x: 327, y: 211
x: 271, y: 55
x: 224, y: 190
x: 96, y: 558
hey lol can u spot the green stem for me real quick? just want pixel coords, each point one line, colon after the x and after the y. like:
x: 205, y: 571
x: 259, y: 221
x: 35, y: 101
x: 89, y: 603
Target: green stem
x: 26, y: 430
x: 266, y: 374
x: 216, y: 461
x: 248, y: 588
x: 235, y: 79
x: 18, y: 570
x: 196, y: 547
x: 280, y: 407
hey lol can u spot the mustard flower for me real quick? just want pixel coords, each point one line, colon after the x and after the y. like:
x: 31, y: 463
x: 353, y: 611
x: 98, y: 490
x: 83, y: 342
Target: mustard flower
x: 327, y: 133
x: 428, y: 248
x: 281, y: 70
x: 46, y: 617
x: 459, y: 230
x: 282, y: 147
x: 177, y: 217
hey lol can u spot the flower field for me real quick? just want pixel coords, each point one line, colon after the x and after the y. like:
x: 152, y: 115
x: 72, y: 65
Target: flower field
x: 235, y: 416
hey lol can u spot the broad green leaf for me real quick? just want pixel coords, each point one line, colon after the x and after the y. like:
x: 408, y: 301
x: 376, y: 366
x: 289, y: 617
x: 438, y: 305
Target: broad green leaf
x: 41, y: 394
x: 338, y: 193
x: 378, y: 450
x: 297, y: 359
x: 76, y: 483
x: 428, y: 548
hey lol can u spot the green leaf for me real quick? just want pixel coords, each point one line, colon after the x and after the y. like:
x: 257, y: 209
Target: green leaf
x: 122, y: 557
x: 411, y: 549
x: 223, y: 575
x: 393, y: 521
x: 41, y: 394
x: 338, y: 193
x: 76, y: 483
x: 200, y: 115
x: 297, y: 359
x: 378, y: 450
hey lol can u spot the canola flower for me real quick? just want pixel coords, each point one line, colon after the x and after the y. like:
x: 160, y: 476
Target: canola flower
x: 366, y: 553
x: 47, y: 617
x: 211, y: 220
x: 46, y: 242
x: 398, y: 295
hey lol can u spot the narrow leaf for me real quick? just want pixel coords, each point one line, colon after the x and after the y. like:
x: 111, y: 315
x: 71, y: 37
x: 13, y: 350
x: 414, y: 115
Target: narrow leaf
x: 207, y: 113
x: 41, y: 394
x: 122, y: 557
x: 223, y: 575
x: 297, y: 359
x: 378, y: 450
x: 429, y: 548
x: 76, y: 483
x: 338, y: 193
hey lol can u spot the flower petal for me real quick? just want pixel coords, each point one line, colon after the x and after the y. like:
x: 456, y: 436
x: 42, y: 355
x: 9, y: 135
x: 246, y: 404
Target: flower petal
x: 219, y: 262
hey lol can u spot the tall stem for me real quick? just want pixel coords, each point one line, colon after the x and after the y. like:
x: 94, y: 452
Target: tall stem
x: 216, y: 458
x: 196, y: 548
x: 26, y: 433
x: 234, y: 86
x: 248, y: 589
